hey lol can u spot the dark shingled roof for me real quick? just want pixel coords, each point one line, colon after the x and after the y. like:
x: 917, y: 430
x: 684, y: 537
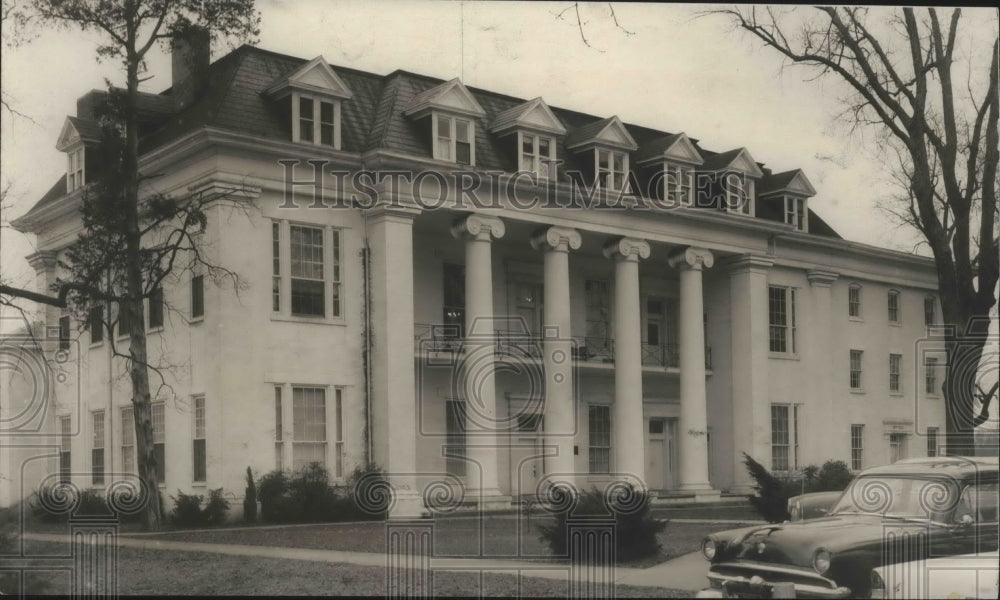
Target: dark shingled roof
x: 372, y: 119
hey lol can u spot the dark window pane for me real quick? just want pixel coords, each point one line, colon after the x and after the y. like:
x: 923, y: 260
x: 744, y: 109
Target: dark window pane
x: 161, y: 465
x: 64, y: 468
x: 197, y: 296
x: 156, y: 308
x: 463, y: 153
x: 124, y: 322
x: 326, y: 134
x: 97, y: 466
x: 64, y: 332
x: 308, y: 297
x: 199, y: 460
x: 96, y: 325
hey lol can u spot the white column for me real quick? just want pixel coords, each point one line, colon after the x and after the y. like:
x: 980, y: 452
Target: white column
x: 559, y: 414
x: 693, y: 425
x: 394, y: 407
x: 44, y: 264
x: 820, y: 416
x: 626, y: 419
x: 476, y: 373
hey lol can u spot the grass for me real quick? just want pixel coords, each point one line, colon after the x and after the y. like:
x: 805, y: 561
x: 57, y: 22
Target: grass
x: 162, y: 572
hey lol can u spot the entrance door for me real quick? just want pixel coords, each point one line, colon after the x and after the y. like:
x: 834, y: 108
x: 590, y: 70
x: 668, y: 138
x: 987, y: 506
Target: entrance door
x: 660, y: 454
x: 526, y: 463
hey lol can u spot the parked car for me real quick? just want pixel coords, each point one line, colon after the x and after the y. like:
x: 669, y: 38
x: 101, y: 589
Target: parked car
x: 910, y: 510
x: 964, y: 576
x: 812, y: 505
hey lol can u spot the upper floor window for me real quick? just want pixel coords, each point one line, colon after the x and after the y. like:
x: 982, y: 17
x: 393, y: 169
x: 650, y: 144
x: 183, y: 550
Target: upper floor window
x: 857, y: 447
x: 197, y: 296
x: 610, y: 167
x: 929, y: 311
x: 599, y: 427
x: 678, y: 184
x: 538, y: 154
x: 739, y: 193
x: 795, y: 212
x: 97, y: 449
x: 156, y: 308
x: 316, y: 120
x: 313, y: 276
x: 95, y: 323
x: 930, y: 375
x: 855, y: 369
x: 74, y: 169
x: 895, y: 379
x: 854, y: 301
x: 781, y: 319
x: 893, y: 304
x: 453, y: 306
x: 453, y: 139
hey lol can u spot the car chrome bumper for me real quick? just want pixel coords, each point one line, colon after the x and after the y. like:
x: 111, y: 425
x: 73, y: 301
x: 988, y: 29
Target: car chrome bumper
x: 727, y: 586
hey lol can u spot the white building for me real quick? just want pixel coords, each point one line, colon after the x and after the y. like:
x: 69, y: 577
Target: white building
x: 675, y: 339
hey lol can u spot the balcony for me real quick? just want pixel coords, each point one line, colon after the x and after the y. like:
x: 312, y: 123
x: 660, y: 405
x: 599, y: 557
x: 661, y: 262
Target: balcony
x: 432, y: 339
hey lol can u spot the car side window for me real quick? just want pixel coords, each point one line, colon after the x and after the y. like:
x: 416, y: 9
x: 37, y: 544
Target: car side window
x: 979, y: 501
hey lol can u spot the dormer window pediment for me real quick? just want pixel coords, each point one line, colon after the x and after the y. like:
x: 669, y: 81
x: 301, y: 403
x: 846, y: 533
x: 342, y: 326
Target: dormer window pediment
x: 736, y: 174
x: 314, y: 93
x: 791, y: 190
x: 450, y: 97
x: 453, y: 112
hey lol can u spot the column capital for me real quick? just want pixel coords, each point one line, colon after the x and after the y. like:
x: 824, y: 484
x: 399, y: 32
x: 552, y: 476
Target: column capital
x: 749, y: 263
x: 626, y: 248
x: 691, y: 258
x: 478, y: 227
x: 42, y: 260
x: 393, y: 211
x: 821, y: 277
x: 560, y: 239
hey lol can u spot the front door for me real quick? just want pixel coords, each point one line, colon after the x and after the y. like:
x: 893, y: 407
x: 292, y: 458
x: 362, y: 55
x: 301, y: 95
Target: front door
x: 660, y: 454
x: 526, y: 463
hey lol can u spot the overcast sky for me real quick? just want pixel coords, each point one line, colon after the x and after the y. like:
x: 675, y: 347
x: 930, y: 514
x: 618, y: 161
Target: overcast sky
x: 673, y: 71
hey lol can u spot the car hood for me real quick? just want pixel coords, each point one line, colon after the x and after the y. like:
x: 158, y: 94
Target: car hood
x: 796, y: 542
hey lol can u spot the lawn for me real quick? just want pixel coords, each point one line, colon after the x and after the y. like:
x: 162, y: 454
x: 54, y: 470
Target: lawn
x: 159, y: 572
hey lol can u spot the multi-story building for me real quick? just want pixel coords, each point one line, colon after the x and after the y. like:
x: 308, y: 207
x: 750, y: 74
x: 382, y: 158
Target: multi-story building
x: 457, y: 286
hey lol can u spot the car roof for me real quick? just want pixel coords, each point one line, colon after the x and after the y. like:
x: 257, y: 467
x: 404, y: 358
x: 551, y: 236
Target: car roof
x: 958, y: 467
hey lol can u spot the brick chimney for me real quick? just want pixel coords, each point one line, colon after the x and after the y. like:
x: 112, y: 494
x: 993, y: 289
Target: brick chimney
x: 191, y: 54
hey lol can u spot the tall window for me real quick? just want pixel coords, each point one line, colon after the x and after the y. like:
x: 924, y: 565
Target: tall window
x: 454, y: 427
x: 97, y: 451
x: 857, y: 447
x: 781, y: 437
x: 156, y: 308
x: 65, y: 449
x: 335, y: 309
x: 124, y: 320
x: 599, y: 424
x: 318, y: 122
x: 795, y: 212
x: 929, y: 311
x: 307, y: 120
x: 74, y: 170
x: 198, y: 445
x: 781, y: 318
x: 678, y: 184
x: 453, y: 139
x: 197, y: 296
x: 308, y: 426
x: 275, y: 266
x: 64, y: 335
x: 338, y: 437
x: 610, y: 168
x: 95, y: 323
x: 930, y: 375
x: 897, y: 447
x: 308, y: 297
x: 538, y: 155
x: 128, y: 440
x: 895, y: 383
x: 893, y: 301
x: 854, y: 301
x: 159, y: 440
x: 932, y: 441
x: 454, y: 299
x: 739, y: 191
x: 856, y: 356
x: 279, y: 427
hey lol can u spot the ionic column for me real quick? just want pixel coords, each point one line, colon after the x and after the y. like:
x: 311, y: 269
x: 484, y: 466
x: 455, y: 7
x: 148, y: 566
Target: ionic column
x: 626, y: 421
x: 477, y: 366
x: 44, y: 264
x: 559, y: 416
x: 693, y: 423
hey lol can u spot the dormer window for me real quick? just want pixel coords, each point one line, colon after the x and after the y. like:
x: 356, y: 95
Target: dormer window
x: 739, y: 190
x: 453, y: 140
x: 317, y: 120
x: 785, y: 197
x: 611, y: 167
x: 611, y: 143
x: 314, y: 93
x: 795, y: 213
x: 678, y: 184
x: 537, y: 129
x: 677, y: 157
x: 538, y: 154
x: 75, y: 169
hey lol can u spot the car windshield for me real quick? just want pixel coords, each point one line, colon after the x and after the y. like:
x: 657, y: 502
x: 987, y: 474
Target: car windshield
x: 900, y: 497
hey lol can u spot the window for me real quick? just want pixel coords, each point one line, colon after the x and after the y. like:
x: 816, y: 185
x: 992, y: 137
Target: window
x: 158, y: 418
x: 856, y: 369
x: 454, y: 428
x: 74, y: 170
x: 610, y: 168
x: 857, y: 447
x: 599, y: 424
x: 197, y: 296
x: 678, y: 184
x: 932, y: 441
x: 897, y: 447
x: 795, y: 212
x: 276, y: 266
x: 317, y: 122
x: 97, y: 451
x: 929, y: 312
x: 279, y: 443
x: 538, y: 155
x: 893, y: 306
x: 65, y: 449
x: 128, y: 440
x: 156, y: 308
x: 781, y: 317
x: 454, y: 300
x: 854, y: 301
x: 453, y: 139
x: 124, y: 321
x: 308, y: 426
x: 198, y: 449
x: 338, y: 438
x: 739, y: 190
x: 930, y: 375
x: 784, y: 437
x: 95, y: 323
x: 895, y: 384
x: 64, y: 332
x: 308, y: 293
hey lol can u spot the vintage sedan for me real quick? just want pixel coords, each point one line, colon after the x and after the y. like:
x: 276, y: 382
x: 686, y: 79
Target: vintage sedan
x: 910, y: 510
x: 811, y: 505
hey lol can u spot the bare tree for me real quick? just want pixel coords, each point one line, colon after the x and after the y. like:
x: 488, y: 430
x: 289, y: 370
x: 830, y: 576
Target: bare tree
x: 137, y: 241
x: 903, y: 74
